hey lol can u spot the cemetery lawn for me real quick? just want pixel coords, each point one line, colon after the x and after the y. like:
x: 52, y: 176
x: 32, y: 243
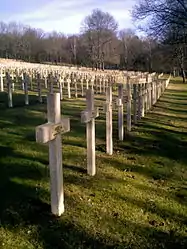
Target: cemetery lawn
x: 138, y: 198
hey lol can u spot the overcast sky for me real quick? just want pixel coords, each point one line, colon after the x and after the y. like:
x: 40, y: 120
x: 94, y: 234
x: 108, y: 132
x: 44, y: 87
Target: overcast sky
x: 63, y: 15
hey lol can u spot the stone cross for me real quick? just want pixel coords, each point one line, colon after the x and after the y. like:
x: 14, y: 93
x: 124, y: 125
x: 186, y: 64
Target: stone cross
x: 9, y: 89
x: 12, y: 80
x: 146, y: 94
x: 75, y: 85
x: 100, y: 86
x: 45, y: 79
x: 51, y: 133
x: 25, y: 82
x: 38, y: 79
x: 129, y: 97
x: 50, y: 83
x: 69, y: 87
x: 135, y: 103
x: 92, y: 83
x: 82, y: 87
x: 143, y: 100
x: 1, y: 80
x: 60, y: 87
x: 140, y: 101
x: 109, y: 139
x: 149, y: 95
x: 87, y: 83
x: 31, y: 81
x: 22, y: 81
x: 104, y: 84
x: 120, y: 112
x: 88, y: 116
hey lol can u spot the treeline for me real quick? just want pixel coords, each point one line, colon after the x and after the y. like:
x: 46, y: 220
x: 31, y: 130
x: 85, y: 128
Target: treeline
x: 99, y: 45
x: 166, y: 21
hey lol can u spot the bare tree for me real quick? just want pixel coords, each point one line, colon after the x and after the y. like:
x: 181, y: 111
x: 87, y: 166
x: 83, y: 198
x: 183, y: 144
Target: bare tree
x: 166, y: 20
x: 99, y: 28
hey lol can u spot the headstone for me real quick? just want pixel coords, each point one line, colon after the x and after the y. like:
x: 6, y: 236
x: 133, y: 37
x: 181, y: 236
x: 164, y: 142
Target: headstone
x: 51, y: 133
x: 88, y: 117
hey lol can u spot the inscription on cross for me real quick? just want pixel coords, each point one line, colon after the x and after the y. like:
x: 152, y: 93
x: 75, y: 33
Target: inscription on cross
x: 88, y: 116
x: 51, y: 133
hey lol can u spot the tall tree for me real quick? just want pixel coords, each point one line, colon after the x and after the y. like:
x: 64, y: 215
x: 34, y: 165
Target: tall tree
x: 166, y: 20
x: 99, y: 28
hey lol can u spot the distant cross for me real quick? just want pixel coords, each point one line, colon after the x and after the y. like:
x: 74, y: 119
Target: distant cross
x: 9, y: 89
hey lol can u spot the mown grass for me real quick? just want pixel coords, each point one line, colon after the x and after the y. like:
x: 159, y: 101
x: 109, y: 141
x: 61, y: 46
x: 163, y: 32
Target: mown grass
x: 138, y: 198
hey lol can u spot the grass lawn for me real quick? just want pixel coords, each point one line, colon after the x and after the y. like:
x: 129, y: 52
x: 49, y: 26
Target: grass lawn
x: 138, y: 198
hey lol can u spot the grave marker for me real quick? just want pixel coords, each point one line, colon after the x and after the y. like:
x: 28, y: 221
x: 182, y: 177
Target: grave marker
x: 128, y: 104
x: 1, y: 80
x: 39, y: 88
x: 109, y: 139
x: 135, y: 103
x: 9, y: 90
x: 51, y: 133
x: 69, y: 88
x: 120, y: 112
x: 60, y: 88
x: 88, y: 117
x: 25, y: 82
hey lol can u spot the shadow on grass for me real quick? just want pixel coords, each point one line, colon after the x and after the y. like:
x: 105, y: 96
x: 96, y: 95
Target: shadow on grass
x: 24, y: 185
x: 18, y: 100
x: 22, y: 207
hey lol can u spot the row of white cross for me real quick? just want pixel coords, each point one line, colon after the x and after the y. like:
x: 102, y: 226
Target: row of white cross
x: 59, y: 83
x: 56, y: 125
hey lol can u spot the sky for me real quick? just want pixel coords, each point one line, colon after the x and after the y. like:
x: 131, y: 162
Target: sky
x: 63, y: 15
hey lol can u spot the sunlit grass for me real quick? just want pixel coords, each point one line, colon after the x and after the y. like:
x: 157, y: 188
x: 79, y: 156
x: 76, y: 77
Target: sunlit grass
x: 138, y: 198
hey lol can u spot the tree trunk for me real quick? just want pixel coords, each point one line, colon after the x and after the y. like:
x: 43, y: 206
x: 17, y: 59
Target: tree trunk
x: 183, y: 75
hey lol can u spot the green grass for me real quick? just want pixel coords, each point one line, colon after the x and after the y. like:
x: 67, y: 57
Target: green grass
x: 138, y: 198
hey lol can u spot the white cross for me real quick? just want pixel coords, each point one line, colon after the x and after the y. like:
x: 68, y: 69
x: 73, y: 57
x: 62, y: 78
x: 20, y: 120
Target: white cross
x: 88, y: 117
x: 51, y: 133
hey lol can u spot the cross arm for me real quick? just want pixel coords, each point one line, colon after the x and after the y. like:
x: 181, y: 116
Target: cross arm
x: 48, y: 132
x: 86, y: 115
